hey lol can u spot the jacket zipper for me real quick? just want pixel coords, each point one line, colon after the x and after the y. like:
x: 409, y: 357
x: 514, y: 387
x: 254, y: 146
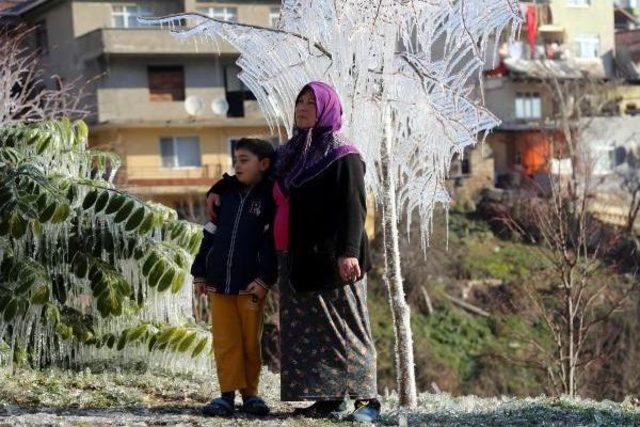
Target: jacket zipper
x: 233, y: 240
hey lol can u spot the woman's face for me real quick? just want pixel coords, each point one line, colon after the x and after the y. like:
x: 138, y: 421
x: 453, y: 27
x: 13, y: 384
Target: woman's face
x: 305, y: 114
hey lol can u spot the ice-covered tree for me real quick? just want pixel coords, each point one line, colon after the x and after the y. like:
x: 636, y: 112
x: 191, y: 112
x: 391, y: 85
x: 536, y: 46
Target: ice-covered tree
x: 87, y: 271
x: 406, y: 71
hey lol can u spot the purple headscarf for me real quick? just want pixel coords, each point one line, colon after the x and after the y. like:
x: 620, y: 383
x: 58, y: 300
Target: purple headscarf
x: 311, y: 151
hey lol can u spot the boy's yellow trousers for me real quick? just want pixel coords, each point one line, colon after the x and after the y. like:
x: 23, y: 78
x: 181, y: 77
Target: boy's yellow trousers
x: 236, y: 322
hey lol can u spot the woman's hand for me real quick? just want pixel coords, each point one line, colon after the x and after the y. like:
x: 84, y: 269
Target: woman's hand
x: 213, y: 199
x: 256, y: 289
x: 349, y: 269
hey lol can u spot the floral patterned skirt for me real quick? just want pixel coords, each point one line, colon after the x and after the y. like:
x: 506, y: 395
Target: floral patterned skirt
x: 326, y: 347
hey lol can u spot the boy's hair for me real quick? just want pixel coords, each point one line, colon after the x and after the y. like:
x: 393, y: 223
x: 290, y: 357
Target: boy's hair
x: 259, y: 147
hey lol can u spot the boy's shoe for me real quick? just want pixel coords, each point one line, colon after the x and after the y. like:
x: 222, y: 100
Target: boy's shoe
x: 219, y: 407
x: 367, y: 411
x: 321, y: 409
x: 254, y: 405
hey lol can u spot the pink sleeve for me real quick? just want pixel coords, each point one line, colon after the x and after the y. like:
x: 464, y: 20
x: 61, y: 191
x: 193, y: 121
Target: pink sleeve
x: 281, y: 221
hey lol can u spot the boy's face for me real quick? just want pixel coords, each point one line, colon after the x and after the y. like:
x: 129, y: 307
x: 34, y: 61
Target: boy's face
x: 248, y: 167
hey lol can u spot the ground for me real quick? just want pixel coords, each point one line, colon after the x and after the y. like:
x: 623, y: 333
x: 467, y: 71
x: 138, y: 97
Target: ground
x: 100, y: 396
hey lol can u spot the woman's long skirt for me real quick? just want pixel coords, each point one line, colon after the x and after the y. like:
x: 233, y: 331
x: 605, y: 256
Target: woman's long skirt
x: 327, y: 351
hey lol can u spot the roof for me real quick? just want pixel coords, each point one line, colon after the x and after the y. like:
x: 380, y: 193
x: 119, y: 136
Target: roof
x: 543, y: 68
x: 18, y: 7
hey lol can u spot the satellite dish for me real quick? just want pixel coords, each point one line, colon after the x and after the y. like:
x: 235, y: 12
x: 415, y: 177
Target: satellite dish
x: 193, y: 105
x: 220, y: 107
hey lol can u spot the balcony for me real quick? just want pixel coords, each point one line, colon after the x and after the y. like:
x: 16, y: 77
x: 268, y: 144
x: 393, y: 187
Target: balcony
x: 145, y: 41
x: 155, y: 180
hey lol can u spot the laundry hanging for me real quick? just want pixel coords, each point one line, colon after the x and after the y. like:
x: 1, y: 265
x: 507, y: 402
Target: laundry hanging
x: 531, y: 23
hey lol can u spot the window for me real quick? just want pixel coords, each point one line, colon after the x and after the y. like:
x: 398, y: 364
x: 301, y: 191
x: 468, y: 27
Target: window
x: 580, y: 3
x: 274, y: 17
x: 180, y: 151
x: 166, y: 84
x: 235, y: 90
x: 224, y: 13
x: 528, y: 105
x: 587, y: 46
x: 42, y: 37
x: 125, y: 15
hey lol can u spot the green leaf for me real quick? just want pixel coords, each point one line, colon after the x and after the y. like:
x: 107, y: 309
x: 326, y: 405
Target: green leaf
x: 5, y: 224
x: 26, y: 281
x: 137, y: 332
x: 18, y: 226
x: 167, y: 279
x: 156, y: 274
x: 178, y: 282
x: 61, y: 213
x: 41, y: 295
x: 199, y: 347
x: 10, y: 310
x: 122, y: 342
x: 194, y: 243
x: 47, y: 213
x: 136, y: 219
x: 115, y: 203
x: 6, y: 196
x: 81, y: 131
x: 187, y: 341
x: 177, y: 337
x: 178, y: 229
x: 124, y: 212
x: 52, y: 314
x: 80, y: 265
x: 90, y: 199
x: 101, y: 201
x: 149, y: 263
x: 147, y: 224
x: 110, y: 340
x: 43, y: 144
x: 72, y: 193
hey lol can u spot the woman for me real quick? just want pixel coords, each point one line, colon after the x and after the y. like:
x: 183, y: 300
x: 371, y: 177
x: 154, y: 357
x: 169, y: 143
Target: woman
x: 327, y: 351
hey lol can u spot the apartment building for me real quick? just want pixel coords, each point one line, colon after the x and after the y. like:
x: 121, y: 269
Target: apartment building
x: 171, y: 109
x: 563, y: 39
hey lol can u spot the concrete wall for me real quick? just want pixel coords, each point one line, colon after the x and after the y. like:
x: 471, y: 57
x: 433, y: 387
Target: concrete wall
x: 91, y: 15
x: 257, y: 14
x: 596, y: 19
x: 501, y: 97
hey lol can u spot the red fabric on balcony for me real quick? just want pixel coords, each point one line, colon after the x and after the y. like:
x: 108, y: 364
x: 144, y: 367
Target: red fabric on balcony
x: 532, y: 27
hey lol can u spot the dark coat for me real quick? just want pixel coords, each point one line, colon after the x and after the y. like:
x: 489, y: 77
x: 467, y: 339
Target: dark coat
x: 326, y: 221
x: 242, y: 248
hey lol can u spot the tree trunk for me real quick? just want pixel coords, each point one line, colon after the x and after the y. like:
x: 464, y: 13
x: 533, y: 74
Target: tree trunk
x: 405, y: 368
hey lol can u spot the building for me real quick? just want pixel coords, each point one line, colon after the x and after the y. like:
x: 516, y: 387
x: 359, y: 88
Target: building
x: 627, y: 14
x: 560, y: 39
x: 171, y: 109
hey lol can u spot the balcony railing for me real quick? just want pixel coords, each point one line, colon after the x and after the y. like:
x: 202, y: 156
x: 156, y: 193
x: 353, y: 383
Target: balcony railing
x: 150, y: 41
x: 150, y: 176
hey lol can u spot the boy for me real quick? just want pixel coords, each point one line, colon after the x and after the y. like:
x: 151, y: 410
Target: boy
x: 238, y: 264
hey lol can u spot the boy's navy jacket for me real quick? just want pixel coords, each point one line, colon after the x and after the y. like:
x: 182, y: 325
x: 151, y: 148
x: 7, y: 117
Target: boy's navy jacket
x: 242, y: 248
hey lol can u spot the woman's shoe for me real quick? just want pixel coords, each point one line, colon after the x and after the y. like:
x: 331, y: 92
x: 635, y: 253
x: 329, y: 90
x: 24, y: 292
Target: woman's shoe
x: 254, y: 405
x: 320, y: 409
x: 367, y: 411
x: 219, y: 407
